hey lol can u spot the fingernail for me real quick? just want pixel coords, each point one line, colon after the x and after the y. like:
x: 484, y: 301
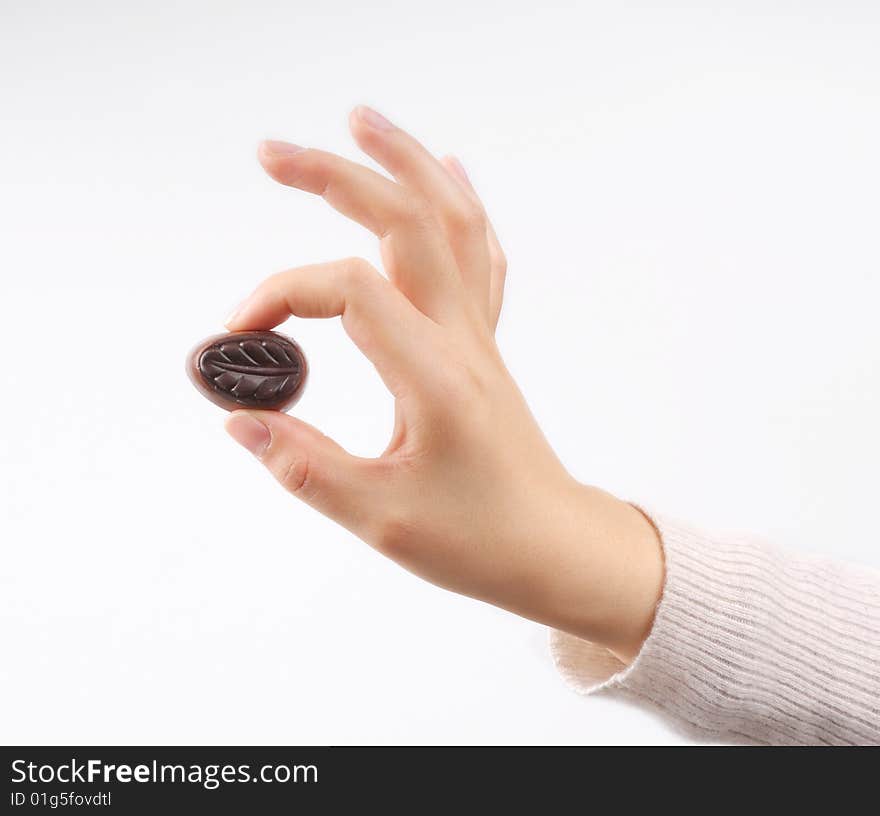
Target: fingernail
x: 249, y: 432
x: 274, y: 148
x: 458, y: 169
x: 373, y: 118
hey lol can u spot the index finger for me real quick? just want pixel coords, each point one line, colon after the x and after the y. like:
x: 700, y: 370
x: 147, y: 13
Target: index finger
x: 383, y: 324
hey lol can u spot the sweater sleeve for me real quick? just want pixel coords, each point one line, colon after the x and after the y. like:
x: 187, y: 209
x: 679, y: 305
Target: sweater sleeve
x: 750, y: 643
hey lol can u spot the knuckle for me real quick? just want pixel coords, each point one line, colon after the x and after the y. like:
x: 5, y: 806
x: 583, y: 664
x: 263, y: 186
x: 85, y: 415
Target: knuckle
x: 468, y: 217
x: 277, y: 281
x: 295, y: 170
x: 314, y: 162
x: 357, y: 268
x: 311, y: 170
x: 415, y: 211
x: 293, y: 474
x: 358, y: 274
x: 395, y: 535
x: 462, y: 384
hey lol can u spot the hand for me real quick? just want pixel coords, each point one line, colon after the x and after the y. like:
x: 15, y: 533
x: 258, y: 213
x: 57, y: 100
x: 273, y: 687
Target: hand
x: 468, y: 494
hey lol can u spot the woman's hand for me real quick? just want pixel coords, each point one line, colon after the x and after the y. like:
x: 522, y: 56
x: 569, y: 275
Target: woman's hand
x: 468, y: 494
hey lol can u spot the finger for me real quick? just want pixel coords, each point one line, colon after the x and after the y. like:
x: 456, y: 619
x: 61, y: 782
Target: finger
x: 312, y: 466
x: 417, y: 170
x: 384, y: 325
x: 421, y: 263
x: 354, y: 190
x: 497, y: 259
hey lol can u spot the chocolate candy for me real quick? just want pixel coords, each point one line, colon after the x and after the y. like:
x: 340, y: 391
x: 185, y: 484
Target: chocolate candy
x: 255, y: 369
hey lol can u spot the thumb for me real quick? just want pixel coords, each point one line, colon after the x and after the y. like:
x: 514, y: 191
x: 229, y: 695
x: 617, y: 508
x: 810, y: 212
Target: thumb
x: 308, y: 464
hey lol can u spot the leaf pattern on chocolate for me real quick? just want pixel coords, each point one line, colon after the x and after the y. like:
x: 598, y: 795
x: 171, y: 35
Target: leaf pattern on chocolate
x: 252, y: 370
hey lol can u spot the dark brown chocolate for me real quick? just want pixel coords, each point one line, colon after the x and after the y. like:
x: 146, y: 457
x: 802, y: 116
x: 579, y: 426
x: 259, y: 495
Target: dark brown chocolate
x: 255, y: 369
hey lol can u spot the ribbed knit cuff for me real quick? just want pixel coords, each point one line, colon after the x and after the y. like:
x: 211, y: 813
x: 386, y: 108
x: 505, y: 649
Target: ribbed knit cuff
x: 750, y: 644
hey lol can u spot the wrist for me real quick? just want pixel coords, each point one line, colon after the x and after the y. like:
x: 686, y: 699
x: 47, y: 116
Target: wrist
x: 607, y: 573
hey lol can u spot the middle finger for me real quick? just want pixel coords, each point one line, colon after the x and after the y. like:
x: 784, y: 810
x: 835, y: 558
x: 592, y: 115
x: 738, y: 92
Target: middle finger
x: 422, y: 264
x: 417, y: 170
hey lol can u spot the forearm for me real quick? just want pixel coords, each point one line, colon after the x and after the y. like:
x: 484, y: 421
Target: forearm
x: 752, y: 643
x: 605, y: 572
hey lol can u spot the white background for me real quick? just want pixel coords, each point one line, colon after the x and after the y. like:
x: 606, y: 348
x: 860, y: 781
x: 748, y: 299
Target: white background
x: 688, y: 197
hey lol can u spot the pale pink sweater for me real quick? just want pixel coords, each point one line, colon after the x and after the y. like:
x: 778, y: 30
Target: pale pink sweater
x: 751, y: 644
